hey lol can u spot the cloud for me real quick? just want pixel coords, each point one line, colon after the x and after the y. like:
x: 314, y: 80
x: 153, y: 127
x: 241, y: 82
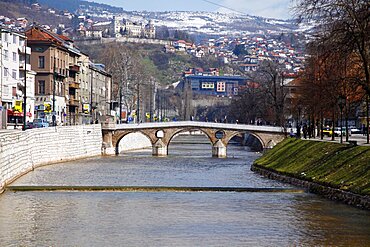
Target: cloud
x: 280, y: 9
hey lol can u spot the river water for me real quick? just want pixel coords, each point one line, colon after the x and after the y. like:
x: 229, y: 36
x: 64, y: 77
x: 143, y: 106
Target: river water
x: 167, y: 218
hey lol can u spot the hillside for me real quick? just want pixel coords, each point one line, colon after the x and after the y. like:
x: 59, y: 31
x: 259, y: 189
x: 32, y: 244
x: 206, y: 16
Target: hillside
x: 197, y: 22
x: 74, y: 5
x: 167, y: 68
x: 17, y: 9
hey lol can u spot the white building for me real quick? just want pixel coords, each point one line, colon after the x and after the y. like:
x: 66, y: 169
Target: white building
x: 121, y: 26
x: 14, y: 65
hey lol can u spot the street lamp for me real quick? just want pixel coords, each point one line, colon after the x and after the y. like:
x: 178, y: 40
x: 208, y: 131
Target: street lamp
x: 25, y: 85
x: 341, y: 104
x: 299, y: 121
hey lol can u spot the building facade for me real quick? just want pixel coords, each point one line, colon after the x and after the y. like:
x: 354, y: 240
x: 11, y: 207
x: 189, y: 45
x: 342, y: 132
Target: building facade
x: 14, y: 68
x: 56, y: 85
x: 100, y: 98
x: 121, y: 26
x: 222, y: 86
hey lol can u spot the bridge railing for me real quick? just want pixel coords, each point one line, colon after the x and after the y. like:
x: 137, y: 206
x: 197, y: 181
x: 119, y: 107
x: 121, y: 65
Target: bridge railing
x: 194, y: 124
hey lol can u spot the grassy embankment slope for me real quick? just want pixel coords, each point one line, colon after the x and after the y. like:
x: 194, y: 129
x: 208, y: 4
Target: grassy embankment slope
x: 331, y: 164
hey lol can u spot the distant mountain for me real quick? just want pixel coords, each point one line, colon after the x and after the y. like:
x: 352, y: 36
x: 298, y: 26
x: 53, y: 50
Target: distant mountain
x: 216, y: 23
x: 74, y: 5
x: 199, y: 23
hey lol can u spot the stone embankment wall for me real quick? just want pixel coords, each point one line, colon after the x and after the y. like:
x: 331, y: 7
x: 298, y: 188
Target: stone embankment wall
x: 325, y: 191
x: 22, y: 151
x: 92, y: 41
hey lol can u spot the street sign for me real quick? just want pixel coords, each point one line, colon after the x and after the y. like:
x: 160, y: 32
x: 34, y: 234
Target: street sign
x: 53, y: 113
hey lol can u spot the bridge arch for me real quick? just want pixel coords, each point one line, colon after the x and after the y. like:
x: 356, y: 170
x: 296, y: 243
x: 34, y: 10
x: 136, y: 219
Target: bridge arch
x: 255, y: 136
x: 133, y: 141
x: 179, y: 131
x: 171, y: 136
x: 119, y: 135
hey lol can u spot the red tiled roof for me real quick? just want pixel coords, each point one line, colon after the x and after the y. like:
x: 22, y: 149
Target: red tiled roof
x: 65, y: 37
x: 40, y: 34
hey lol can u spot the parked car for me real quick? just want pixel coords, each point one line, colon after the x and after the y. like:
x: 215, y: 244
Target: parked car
x: 327, y: 131
x: 40, y: 123
x: 355, y: 130
x: 29, y: 125
x: 338, y: 131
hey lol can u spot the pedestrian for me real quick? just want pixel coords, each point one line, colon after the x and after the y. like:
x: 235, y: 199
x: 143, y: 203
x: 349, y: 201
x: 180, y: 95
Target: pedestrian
x: 305, y: 131
x: 291, y: 133
x: 364, y: 130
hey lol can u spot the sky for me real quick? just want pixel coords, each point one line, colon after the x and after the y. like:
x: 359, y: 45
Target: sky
x: 279, y: 9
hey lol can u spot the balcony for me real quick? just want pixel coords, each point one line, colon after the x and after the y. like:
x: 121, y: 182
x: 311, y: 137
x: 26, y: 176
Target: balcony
x: 74, y: 68
x: 21, y: 66
x: 74, y: 85
x: 61, y: 73
x: 26, y: 50
x: 74, y: 102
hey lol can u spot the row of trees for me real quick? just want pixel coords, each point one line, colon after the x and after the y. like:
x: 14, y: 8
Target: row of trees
x: 337, y: 68
x: 336, y: 77
x: 137, y: 88
x: 264, y: 99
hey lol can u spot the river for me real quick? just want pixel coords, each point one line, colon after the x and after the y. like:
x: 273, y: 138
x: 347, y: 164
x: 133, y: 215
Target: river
x: 173, y: 218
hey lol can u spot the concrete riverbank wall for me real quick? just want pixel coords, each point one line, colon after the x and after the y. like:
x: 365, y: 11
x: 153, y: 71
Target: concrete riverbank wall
x: 22, y: 151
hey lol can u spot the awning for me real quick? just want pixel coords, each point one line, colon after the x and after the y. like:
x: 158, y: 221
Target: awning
x: 18, y: 114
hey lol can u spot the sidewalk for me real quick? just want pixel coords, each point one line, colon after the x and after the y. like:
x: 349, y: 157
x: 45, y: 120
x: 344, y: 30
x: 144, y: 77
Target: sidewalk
x: 359, y: 138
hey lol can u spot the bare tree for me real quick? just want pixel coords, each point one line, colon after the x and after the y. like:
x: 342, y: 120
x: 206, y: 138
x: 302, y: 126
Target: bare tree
x: 344, y: 25
x: 126, y: 67
x: 271, y: 80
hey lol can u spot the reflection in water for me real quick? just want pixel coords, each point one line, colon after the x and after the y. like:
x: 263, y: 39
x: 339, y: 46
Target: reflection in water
x: 169, y: 218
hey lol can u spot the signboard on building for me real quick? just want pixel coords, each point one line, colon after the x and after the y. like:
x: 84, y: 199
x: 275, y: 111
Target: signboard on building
x: 86, y: 108
x: 208, y: 85
x: 221, y: 87
x: 17, y: 106
x: 47, y: 107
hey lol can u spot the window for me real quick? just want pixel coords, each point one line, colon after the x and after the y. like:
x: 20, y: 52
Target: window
x: 14, y: 57
x: 41, y: 62
x: 14, y: 39
x: 14, y: 74
x: 14, y: 91
x: 41, y: 87
x: 6, y: 72
x: 6, y: 55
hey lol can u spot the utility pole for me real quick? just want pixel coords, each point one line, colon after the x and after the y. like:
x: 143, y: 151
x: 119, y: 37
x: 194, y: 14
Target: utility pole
x: 138, y: 103
x: 120, y: 103
x: 54, y: 83
x: 25, y: 84
x: 1, y: 78
x: 367, y: 120
x: 151, y: 103
x: 91, y: 94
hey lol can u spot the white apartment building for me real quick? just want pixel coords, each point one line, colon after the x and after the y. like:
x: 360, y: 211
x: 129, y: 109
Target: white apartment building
x: 14, y: 66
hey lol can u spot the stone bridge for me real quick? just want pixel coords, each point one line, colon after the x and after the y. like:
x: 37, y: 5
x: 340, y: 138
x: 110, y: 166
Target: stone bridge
x: 161, y: 134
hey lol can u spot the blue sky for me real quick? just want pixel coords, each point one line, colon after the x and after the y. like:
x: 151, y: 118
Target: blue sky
x: 266, y: 8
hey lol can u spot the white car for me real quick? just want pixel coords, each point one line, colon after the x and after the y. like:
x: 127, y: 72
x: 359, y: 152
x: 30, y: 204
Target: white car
x: 355, y: 130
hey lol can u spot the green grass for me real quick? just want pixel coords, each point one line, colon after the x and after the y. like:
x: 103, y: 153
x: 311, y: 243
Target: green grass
x: 336, y: 165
